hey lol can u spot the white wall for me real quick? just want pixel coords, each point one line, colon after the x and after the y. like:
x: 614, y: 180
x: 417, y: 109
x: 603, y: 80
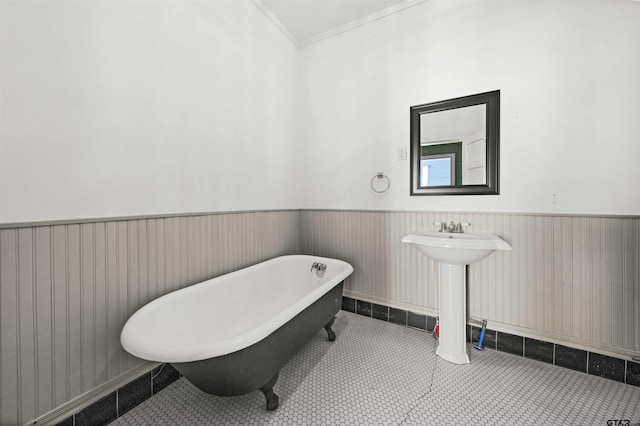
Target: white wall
x: 131, y: 108
x: 569, y: 75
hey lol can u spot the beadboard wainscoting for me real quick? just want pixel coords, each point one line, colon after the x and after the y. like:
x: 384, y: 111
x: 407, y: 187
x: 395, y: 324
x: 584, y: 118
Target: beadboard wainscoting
x: 568, y: 279
x: 68, y: 288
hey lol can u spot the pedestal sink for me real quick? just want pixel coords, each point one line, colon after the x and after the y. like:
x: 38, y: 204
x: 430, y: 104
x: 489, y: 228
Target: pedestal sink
x: 453, y: 252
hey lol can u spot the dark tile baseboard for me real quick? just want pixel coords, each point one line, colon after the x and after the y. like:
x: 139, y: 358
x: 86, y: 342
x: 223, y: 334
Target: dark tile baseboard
x: 620, y: 370
x: 572, y: 358
x: 538, y: 350
x: 114, y: 405
x: 386, y: 313
x: 606, y: 366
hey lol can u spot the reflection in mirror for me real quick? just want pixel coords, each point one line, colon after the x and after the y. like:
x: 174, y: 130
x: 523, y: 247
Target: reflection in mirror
x: 438, y: 169
x: 458, y: 131
x: 454, y: 146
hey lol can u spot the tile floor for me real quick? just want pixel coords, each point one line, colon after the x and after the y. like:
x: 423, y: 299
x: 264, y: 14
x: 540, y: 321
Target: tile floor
x: 379, y: 373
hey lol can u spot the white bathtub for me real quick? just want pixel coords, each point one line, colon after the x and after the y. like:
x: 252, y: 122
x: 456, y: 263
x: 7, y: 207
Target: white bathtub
x: 230, y: 335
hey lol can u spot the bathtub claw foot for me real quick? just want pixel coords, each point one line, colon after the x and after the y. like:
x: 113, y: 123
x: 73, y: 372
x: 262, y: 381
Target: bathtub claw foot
x: 272, y: 399
x: 330, y: 333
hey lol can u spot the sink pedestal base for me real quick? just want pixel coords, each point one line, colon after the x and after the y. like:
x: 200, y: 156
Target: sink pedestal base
x: 452, y: 343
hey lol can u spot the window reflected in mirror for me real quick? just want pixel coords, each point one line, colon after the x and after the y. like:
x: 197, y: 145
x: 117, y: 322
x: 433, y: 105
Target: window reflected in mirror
x: 438, y: 170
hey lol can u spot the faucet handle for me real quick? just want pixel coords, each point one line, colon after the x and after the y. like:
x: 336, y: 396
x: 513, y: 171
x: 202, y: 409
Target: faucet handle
x: 442, y: 225
x: 458, y: 227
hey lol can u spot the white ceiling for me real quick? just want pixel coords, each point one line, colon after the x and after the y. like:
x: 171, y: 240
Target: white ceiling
x: 308, y: 21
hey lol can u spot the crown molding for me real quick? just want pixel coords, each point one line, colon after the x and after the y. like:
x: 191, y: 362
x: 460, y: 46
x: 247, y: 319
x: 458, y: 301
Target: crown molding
x: 360, y: 22
x: 337, y: 30
x: 264, y: 9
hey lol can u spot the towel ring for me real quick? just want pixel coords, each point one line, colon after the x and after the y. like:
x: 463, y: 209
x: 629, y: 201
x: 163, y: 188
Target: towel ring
x: 380, y: 176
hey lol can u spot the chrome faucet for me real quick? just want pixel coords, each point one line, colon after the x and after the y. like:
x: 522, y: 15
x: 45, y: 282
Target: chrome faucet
x: 319, y: 267
x: 452, y: 228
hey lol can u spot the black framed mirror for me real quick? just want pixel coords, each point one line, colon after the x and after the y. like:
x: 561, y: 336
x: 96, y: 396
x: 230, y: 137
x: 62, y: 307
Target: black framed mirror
x: 455, y: 146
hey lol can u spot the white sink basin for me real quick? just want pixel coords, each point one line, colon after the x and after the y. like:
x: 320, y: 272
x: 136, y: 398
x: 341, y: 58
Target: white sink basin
x: 456, y: 249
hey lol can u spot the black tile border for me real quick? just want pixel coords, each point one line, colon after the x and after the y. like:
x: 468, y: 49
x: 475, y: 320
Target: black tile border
x: 380, y: 312
x: 633, y: 373
x: 163, y: 376
x: 618, y: 369
x: 418, y: 321
x: 363, y: 308
x: 607, y: 367
x: 510, y: 343
x: 101, y: 412
x: 133, y: 393
x: 538, y: 350
x: 575, y: 359
x: 117, y: 403
x: 397, y: 316
x: 348, y: 304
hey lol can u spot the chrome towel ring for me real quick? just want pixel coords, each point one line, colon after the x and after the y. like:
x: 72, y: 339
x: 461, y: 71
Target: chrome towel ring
x: 384, y: 186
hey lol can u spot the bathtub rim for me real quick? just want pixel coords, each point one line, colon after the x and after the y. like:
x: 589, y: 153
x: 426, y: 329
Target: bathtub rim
x: 143, y: 348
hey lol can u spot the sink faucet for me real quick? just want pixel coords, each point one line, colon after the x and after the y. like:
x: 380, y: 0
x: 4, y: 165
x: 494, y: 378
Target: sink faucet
x: 452, y: 228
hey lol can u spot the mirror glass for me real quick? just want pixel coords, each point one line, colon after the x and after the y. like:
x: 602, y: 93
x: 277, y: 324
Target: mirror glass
x: 454, y: 146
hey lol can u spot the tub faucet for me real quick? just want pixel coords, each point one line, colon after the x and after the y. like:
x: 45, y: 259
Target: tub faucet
x: 319, y: 267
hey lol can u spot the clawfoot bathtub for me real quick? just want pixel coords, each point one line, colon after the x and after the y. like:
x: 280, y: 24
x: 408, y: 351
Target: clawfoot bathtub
x: 232, y: 335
